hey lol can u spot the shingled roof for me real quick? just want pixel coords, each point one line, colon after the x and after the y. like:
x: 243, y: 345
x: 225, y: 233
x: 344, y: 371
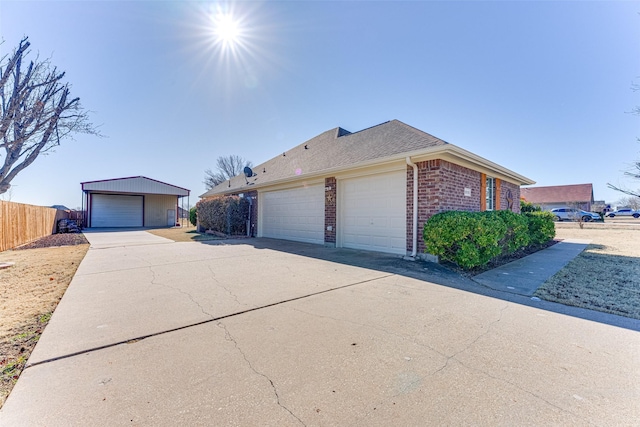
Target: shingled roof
x: 336, y: 150
x: 558, y: 194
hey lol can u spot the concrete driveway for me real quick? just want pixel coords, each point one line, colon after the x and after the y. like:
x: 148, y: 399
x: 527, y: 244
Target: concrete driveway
x: 264, y: 332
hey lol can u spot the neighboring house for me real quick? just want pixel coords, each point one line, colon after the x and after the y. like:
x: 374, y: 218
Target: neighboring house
x: 559, y: 196
x: 60, y: 207
x: 183, y: 212
x: 357, y: 190
x: 135, y: 201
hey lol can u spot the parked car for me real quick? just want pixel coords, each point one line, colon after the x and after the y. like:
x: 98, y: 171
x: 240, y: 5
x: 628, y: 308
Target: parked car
x: 573, y: 214
x: 624, y: 212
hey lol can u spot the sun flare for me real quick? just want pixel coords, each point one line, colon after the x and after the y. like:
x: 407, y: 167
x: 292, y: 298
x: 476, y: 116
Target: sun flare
x: 227, y: 29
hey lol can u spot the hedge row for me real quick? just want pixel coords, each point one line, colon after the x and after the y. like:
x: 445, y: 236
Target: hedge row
x: 224, y: 214
x: 472, y: 239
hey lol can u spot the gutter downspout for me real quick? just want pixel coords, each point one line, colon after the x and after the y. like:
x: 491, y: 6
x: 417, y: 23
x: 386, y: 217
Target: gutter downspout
x: 415, y: 206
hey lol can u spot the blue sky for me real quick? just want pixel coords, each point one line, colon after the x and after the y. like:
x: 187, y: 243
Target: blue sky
x: 542, y: 88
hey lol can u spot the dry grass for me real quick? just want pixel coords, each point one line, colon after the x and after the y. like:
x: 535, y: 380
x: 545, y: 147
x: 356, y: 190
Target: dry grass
x: 35, y: 284
x: 183, y: 234
x: 606, y: 276
x: 29, y: 292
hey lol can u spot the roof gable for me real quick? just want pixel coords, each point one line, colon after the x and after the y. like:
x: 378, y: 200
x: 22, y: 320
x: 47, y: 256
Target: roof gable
x: 335, y: 148
x: 134, y: 184
x: 558, y: 194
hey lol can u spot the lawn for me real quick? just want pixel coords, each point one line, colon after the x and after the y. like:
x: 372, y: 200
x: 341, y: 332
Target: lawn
x: 30, y: 291
x: 606, y: 276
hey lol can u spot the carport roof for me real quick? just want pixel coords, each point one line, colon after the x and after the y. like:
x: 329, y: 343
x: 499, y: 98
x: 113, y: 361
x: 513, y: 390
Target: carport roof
x: 339, y: 150
x: 135, y: 185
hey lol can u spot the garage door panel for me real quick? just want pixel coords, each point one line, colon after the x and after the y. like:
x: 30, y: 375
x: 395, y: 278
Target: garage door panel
x: 294, y: 214
x: 373, y: 212
x: 110, y: 210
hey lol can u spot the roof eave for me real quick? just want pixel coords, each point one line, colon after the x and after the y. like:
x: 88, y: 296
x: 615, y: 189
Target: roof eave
x: 430, y: 153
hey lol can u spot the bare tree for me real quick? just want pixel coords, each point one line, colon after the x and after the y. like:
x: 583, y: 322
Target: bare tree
x: 633, y: 174
x: 36, y: 112
x: 226, y: 167
x: 634, y: 170
x: 629, y: 202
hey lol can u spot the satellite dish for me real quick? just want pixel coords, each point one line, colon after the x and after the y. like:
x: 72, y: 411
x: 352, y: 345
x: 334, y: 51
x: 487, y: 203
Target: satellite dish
x: 248, y: 172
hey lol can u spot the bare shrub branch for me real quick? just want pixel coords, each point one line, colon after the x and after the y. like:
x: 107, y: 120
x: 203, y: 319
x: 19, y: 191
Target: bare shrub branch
x: 226, y: 167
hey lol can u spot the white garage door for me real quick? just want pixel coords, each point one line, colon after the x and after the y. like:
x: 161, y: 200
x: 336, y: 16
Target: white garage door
x: 373, y: 213
x: 108, y: 210
x: 294, y: 214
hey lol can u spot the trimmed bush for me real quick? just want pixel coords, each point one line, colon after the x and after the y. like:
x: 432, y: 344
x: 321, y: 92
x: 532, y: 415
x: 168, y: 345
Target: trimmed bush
x: 517, y: 235
x: 541, y: 227
x: 469, y: 239
x: 226, y: 215
x: 472, y: 239
x: 528, y: 207
x: 193, y: 216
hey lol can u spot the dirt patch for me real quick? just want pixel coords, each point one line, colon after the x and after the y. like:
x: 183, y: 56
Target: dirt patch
x: 605, y: 276
x: 70, y: 239
x: 29, y: 292
x: 497, y: 262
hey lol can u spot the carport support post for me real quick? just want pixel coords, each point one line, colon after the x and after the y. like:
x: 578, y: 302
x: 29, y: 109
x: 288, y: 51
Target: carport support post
x: 414, y: 249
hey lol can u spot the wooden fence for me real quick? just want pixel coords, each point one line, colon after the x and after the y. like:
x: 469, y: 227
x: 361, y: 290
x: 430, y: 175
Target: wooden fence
x: 20, y: 224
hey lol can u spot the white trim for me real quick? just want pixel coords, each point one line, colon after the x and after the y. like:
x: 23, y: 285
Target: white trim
x: 414, y: 240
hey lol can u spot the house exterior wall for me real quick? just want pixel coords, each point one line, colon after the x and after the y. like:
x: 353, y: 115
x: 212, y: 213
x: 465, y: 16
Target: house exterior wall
x: 514, y: 200
x: 454, y: 180
x: 441, y: 187
x: 156, y: 207
x: 330, y: 194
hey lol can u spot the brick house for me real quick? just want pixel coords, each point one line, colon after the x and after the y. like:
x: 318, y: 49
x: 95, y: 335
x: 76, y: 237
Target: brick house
x: 373, y: 189
x: 560, y: 196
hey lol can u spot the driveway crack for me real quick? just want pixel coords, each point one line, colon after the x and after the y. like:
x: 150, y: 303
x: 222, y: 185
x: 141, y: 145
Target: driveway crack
x: 154, y: 282
x: 227, y: 290
x: 485, y: 332
x: 409, y: 338
x: 229, y: 337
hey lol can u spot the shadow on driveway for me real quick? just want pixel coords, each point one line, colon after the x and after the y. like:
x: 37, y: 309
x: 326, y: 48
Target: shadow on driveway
x: 425, y: 271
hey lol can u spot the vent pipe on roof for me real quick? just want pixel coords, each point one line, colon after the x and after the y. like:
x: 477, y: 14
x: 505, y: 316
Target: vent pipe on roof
x: 415, y: 207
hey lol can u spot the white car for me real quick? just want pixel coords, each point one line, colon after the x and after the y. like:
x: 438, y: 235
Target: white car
x: 624, y: 212
x: 573, y: 214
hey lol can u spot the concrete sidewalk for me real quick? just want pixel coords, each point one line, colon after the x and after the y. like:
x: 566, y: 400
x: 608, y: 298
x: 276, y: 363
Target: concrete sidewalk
x: 263, y: 332
x: 527, y: 274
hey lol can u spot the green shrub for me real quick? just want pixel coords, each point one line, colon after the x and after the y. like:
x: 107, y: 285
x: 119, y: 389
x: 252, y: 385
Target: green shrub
x: 472, y: 239
x: 469, y: 239
x: 541, y: 227
x: 517, y: 235
x: 528, y: 207
x: 193, y: 216
x: 224, y: 214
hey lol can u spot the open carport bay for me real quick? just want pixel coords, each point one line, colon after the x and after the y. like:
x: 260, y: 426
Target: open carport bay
x: 238, y: 335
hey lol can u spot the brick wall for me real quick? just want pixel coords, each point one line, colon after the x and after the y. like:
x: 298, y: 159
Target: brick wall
x: 330, y: 210
x: 441, y: 186
x: 505, y: 187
